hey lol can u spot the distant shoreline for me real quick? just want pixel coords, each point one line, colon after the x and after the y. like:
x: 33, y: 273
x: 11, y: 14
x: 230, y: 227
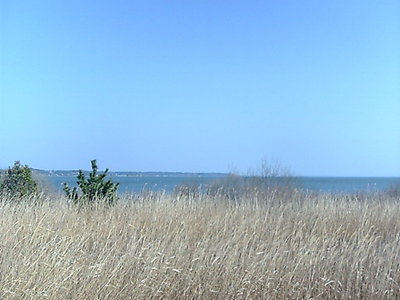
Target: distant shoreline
x: 129, y: 173
x: 67, y: 173
x: 187, y: 174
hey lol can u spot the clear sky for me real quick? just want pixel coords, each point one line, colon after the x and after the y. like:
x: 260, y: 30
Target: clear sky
x: 201, y: 85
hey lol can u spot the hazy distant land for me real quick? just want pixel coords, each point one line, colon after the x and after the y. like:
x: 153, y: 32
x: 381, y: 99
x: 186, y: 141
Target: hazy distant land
x: 128, y: 173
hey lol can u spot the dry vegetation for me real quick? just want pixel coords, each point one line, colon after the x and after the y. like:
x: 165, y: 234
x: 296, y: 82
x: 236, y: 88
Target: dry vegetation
x: 169, y: 247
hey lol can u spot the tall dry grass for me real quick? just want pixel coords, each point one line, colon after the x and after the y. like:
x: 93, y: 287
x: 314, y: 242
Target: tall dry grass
x: 159, y: 246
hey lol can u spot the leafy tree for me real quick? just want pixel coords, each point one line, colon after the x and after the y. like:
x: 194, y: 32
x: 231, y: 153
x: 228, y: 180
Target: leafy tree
x: 18, y: 181
x: 93, y: 189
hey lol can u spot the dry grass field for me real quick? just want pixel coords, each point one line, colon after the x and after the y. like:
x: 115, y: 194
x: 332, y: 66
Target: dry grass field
x: 159, y: 246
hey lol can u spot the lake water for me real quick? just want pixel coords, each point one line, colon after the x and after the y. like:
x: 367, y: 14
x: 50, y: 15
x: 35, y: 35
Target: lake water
x: 129, y: 184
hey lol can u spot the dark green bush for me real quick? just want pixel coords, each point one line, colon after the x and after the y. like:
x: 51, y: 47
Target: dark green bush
x: 17, y: 181
x: 93, y: 189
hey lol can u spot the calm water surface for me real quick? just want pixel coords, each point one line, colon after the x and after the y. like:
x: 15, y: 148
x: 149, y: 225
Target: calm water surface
x: 129, y: 184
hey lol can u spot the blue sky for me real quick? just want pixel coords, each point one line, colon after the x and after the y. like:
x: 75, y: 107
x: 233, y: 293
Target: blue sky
x: 201, y: 86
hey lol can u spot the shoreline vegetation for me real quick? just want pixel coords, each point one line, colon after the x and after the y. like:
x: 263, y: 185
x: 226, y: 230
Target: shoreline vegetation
x: 271, y: 244
x: 255, y: 238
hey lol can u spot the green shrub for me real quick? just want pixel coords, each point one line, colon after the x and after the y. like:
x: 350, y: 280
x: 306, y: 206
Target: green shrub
x: 93, y: 189
x: 17, y: 181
